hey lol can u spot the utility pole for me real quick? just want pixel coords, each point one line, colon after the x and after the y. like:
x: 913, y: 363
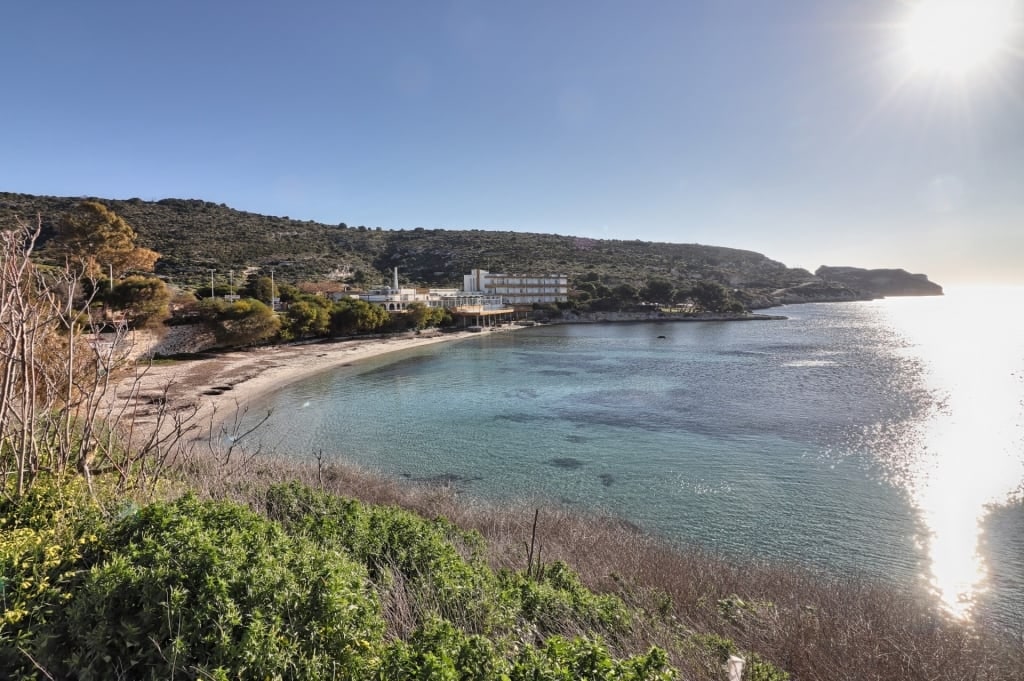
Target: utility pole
x: 212, y: 296
x: 273, y: 297
x: 111, y: 269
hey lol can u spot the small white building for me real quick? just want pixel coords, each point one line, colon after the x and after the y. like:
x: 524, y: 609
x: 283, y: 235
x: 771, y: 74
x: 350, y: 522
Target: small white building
x: 518, y: 289
x: 394, y: 298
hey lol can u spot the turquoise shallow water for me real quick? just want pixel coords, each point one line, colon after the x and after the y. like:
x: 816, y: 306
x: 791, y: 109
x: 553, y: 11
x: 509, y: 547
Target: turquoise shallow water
x: 841, y: 438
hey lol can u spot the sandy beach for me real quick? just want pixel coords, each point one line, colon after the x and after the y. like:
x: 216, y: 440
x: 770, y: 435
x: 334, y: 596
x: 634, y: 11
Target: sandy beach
x: 218, y: 384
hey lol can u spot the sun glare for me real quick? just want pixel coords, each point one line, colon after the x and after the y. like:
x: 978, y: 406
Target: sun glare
x: 956, y: 37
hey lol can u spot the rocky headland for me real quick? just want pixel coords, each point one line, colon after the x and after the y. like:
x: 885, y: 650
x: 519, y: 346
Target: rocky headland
x: 843, y: 284
x: 880, y: 283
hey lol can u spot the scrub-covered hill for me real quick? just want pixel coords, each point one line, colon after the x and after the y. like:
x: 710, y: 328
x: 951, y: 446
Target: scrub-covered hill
x: 195, y: 236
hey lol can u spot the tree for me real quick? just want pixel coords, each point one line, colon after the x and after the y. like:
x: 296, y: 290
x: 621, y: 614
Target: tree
x: 244, y: 322
x: 658, y: 291
x: 350, y: 316
x: 259, y: 287
x: 287, y: 293
x: 711, y: 296
x: 418, y: 316
x: 626, y: 294
x: 99, y: 237
x: 143, y: 299
x: 308, y: 317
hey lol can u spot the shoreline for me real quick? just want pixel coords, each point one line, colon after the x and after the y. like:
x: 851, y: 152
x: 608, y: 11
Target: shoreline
x: 218, y: 384
x: 626, y: 317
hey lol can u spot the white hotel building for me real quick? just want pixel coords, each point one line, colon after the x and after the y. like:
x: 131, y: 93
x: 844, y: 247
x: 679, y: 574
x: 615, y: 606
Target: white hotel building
x: 516, y: 289
x: 486, y: 297
x: 480, y: 288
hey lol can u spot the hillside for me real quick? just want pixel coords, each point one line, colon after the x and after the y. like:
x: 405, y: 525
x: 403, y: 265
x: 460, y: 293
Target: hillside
x: 881, y: 282
x: 194, y: 236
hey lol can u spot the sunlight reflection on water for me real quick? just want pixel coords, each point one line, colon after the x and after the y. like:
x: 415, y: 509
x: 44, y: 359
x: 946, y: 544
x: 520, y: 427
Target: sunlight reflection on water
x: 967, y: 455
x: 880, y: 438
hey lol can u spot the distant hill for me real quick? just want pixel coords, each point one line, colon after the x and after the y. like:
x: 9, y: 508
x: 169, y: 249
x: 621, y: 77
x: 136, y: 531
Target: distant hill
x: 880, y: 283
x: 195, y: 236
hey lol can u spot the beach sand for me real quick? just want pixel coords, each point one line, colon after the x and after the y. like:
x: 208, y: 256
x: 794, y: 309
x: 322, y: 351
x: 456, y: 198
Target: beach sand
x: 217, y: 385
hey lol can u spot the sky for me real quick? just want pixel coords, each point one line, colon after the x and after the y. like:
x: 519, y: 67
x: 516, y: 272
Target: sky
x: 818, y: 132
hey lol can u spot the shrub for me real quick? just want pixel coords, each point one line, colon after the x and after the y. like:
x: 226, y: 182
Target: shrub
x: 557, y: 601
x: 419, y: 562
x: 400, y: 550
x: 199, y: 588
x: 438, y: 650
x: 42, y: 537
x: 587, y: 660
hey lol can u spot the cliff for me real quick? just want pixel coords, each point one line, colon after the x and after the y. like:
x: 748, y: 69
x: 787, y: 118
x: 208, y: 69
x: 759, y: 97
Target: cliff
x: 880, y: 283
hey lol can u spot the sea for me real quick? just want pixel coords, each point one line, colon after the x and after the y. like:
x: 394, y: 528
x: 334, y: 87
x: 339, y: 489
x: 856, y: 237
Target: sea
x: 883, y: 439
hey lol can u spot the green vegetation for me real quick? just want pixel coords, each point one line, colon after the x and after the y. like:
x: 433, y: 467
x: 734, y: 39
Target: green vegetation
x: 244, y: 322
x: 300, y: 583
x: 129, y: 551
x: 204, y: 589
x: 144, y: 300
x: 91, y: 233
x: 195, y: 236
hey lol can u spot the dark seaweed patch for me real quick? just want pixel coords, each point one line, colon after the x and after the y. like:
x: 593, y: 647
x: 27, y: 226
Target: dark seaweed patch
x: 566, y: 462
x: 442, y: 478
x: 518, y: 418
x: 522, y: 393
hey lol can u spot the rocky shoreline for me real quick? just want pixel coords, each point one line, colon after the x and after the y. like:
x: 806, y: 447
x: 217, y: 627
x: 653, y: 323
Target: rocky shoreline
x: 572, y: 317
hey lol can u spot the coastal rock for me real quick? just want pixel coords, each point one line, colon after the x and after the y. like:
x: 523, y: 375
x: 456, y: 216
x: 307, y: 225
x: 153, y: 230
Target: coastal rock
x: 818, y: 292
x: 879, y: 283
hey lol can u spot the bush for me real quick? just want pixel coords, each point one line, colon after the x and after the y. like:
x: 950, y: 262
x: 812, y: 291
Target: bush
x: 400, y: 551
x: 440, y: 651
x: 42, y: 537
x: 244, y: 322
x: 557, y: 601
x: 586, y: 660
x: 196, y: 589
x: 419, y: 562
x: 207, y: 590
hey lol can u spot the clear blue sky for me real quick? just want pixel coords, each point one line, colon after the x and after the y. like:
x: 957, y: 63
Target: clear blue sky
x: 792, y: 128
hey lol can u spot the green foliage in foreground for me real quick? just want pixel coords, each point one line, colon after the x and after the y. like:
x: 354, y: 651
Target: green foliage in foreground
x: 317, y: 587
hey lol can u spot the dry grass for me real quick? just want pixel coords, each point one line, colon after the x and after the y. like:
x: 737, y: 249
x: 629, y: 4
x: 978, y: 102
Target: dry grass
x: 812, y: 625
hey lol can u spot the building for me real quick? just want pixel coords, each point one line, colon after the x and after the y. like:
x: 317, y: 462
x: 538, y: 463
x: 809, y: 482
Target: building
x: 486, y: 298
x: 477, y: 309
x: 518, y: 289
x: 394, y: 298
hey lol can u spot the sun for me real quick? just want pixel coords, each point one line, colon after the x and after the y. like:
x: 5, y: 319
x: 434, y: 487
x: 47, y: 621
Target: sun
x: 956, y: 37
